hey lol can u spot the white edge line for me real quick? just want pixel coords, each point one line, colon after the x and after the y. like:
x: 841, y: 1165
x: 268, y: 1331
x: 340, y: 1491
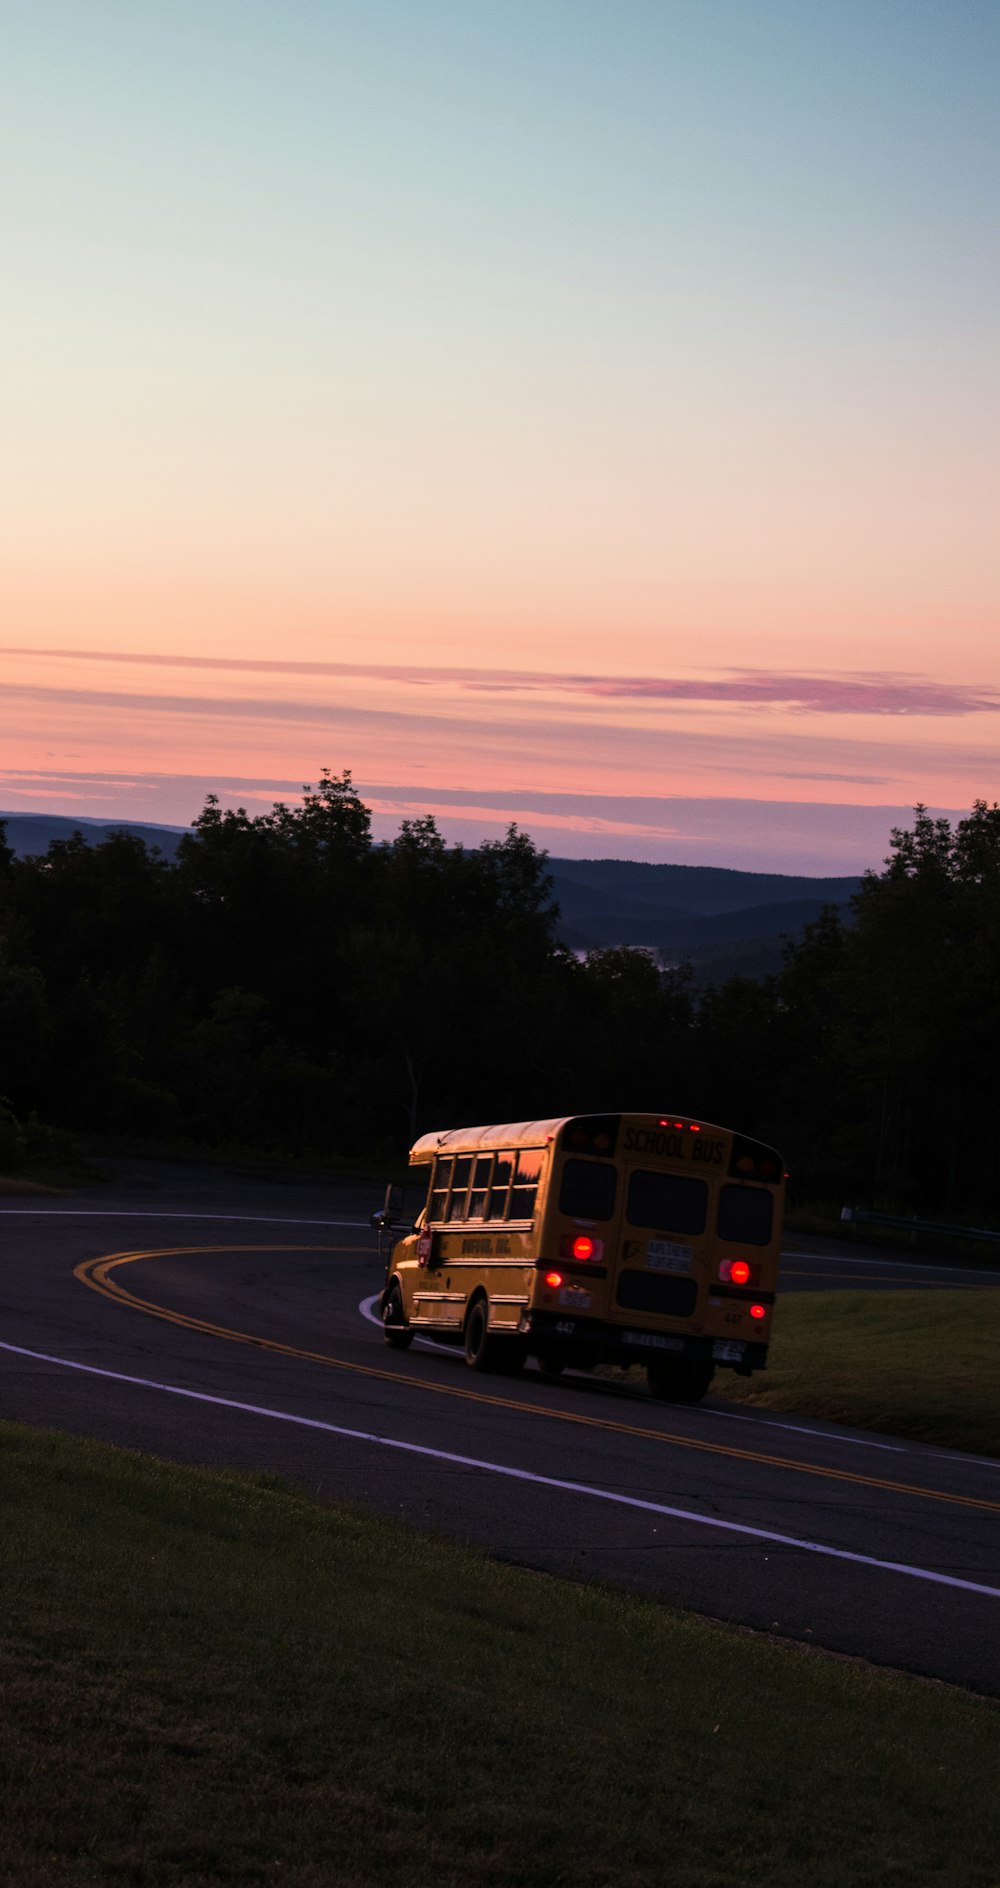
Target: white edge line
x: 514, y: 1474
x: 768, y: 1422
x: 432, y: 1344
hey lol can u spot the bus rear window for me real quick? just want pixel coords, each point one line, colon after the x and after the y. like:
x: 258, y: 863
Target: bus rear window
x: 588, y: 1189
x: 525, y: 1187
x: 666, y: 1202
x: 746, y: 1215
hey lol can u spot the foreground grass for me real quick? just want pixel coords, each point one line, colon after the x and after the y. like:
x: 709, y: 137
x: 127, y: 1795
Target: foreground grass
x: 210, y: 1679
x: 911, y: 1363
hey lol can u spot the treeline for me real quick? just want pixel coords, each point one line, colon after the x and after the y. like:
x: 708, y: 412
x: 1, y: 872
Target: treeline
x: 288, y: 985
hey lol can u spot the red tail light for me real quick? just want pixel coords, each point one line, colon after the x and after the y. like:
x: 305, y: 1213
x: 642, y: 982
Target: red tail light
x: 758, y: 1311
x: 738, y: 1272
x: 581, y: 1247
x: 553, y: 1280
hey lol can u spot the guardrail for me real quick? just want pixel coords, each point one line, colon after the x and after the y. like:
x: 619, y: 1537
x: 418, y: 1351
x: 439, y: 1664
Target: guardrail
x: 860, y: 1216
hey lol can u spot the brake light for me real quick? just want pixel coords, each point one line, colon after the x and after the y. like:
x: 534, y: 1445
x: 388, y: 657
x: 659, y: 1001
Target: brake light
x: 553, y: 1279
x: 738, y: 1272
x: 581, y: 1247
x: 758, y: 1311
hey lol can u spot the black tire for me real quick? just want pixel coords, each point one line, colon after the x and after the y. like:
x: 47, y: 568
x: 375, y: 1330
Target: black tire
x: 679, y: 1381
x: 480, y: 1346
x: 394, y: 1327
x: 552, y: 1362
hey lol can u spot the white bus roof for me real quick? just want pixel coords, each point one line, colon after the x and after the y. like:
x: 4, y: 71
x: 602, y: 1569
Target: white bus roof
x: 470, y: 1140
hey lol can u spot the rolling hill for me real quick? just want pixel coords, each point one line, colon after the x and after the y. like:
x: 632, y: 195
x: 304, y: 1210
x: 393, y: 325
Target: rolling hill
x: 723, y: 922
x: 30, y: 834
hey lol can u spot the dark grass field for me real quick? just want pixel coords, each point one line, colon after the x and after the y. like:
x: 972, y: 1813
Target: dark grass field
x: 911, y: 1363
x: 211, y: 1679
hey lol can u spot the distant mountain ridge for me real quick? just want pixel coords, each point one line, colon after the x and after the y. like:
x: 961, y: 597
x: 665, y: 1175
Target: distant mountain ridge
x: 29, y: 834
x: 724, y: 922
x: 721, y: 921
x: 698, y: 888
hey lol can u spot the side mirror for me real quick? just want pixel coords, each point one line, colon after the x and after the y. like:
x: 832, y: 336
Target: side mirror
x: 389, y: 1212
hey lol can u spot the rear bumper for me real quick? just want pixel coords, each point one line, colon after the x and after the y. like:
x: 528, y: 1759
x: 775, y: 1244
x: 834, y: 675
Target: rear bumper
x: 591, y: 1341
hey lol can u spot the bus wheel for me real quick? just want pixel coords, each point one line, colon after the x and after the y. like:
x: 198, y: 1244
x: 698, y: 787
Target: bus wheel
x: 679, y: 1382
x: 551, y: 1363
x: 480, y: 1347
x: 394, y: 1328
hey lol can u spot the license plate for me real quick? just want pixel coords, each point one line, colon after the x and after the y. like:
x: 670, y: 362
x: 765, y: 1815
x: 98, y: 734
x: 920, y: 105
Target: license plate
x: 662, y: 1255
x: 728, y: 1352
x: 575, y: 1297
x: 651, y: 1340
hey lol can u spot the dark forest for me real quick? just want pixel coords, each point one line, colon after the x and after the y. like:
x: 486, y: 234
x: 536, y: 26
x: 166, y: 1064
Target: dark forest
x: 289, y: 986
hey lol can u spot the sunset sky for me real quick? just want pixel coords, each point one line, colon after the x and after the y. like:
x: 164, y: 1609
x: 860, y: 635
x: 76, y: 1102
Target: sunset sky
x: 581, y: 412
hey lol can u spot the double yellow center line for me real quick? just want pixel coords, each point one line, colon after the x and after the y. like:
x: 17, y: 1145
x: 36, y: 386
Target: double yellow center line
x: 97, y: 1273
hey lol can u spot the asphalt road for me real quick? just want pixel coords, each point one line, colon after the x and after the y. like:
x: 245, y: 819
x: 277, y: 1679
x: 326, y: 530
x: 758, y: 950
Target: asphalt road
x: 213, y: 1318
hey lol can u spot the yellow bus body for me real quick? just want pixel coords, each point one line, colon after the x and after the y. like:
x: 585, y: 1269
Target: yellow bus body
x: 619, y: 1238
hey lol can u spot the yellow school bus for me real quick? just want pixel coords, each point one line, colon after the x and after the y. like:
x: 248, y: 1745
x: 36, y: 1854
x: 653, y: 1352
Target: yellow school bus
x: 613, y: 1238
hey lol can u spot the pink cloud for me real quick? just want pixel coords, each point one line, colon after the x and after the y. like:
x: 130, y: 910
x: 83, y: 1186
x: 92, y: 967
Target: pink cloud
x: 815, y: 694
x: 873, y: 692
x: 748, y: 833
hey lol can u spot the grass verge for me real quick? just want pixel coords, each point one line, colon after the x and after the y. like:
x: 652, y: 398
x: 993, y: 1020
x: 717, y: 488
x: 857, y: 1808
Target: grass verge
x: 911, y: 1363
x: 211, y: 1679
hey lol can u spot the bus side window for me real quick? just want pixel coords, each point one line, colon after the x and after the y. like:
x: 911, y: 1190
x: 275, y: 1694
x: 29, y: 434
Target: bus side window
x: 425, y: 1211
x: 500, y: 1187
x: 525, y: 1187
x: 479, y: 1192
x: 439, y: 1190
x: 460, y: 1187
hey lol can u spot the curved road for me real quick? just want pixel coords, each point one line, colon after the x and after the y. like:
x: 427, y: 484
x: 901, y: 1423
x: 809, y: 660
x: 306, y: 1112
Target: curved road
x: 219, y: 1320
